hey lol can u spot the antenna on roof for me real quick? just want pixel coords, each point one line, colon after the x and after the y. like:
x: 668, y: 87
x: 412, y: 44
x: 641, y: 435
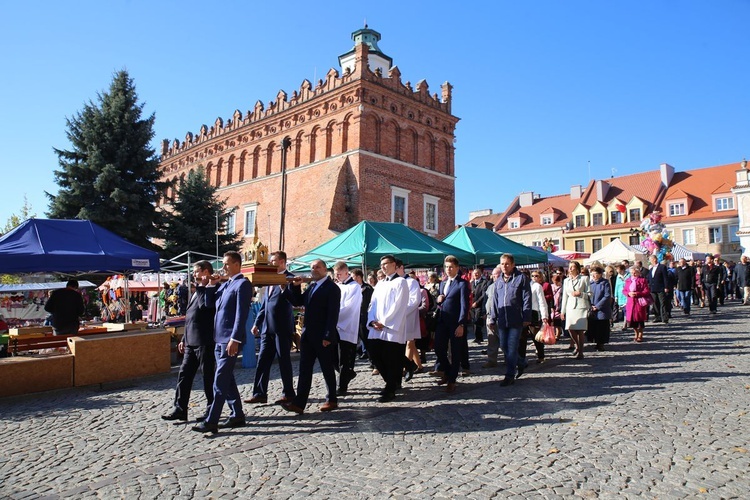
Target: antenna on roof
x: 365, y: 23
x: 589, y: 163
x: 613, y: 172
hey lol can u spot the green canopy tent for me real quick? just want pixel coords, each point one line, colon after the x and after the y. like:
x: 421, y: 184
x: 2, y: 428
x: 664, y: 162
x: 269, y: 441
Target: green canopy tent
x: 487, y: 246
x: 364, y: 244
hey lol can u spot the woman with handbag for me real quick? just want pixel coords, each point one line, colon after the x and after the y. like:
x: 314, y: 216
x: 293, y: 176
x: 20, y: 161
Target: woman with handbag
x: 575, y: 306
x: 539, y: 312
x: 556, y: 286
x: 639, y: 302
x: 601, y: 309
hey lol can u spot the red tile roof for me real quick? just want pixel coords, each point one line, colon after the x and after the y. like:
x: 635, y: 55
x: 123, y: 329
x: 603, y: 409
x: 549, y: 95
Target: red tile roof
x: 700, y: 185
x: 645, y: 185
x: 561, y: 204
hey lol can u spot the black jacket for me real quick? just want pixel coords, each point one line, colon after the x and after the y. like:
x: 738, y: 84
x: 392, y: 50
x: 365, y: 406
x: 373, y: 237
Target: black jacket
x: 659, y: 281
x: 199, y: 320
x: 712, y: 276
x: 685, y: 278
x: 66, y: 306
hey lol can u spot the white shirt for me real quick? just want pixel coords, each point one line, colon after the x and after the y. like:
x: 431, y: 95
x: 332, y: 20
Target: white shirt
x: 351, y: 301
x: 388, y: 306
x: 538, y: 302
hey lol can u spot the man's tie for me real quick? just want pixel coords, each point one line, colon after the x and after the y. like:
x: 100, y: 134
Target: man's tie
x: 311, y: 290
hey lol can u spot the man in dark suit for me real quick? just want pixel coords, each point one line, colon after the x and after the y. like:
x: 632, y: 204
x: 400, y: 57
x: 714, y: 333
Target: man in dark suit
x: 275, y: 325
x: 658, y: 283
x: 196, y: 346
x: 66, y: 307
x: 451, y: 325
x: 319, y: 337
x: 232, y: 300
x: 479, y: 285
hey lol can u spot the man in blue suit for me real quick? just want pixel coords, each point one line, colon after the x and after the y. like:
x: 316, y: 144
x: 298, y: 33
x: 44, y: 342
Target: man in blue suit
x: 453, y: 302
x: 658, y: 283
x: 275, y: 325
x: 319, y: 337
x: 232, y: 300
x: 196, y: 346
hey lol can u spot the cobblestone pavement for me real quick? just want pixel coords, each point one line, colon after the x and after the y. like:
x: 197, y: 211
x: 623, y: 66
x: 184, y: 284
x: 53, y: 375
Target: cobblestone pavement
x: 664, y: 419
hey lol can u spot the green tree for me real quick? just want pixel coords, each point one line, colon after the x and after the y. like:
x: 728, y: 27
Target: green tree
x: 15, y: 220
x: 192, y: 223
x: 110, y: 174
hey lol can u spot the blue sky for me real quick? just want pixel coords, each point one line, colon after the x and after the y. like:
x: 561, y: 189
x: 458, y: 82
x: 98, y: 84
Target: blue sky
x: 544, y: 89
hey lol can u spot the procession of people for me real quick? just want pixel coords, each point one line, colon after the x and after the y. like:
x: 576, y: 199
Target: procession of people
x: 395, y: 322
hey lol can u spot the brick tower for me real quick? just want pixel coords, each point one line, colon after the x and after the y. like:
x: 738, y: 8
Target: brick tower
x: 362, y: 145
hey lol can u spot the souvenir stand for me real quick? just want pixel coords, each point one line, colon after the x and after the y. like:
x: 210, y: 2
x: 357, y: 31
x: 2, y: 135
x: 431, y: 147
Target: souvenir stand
x: 78, y: 247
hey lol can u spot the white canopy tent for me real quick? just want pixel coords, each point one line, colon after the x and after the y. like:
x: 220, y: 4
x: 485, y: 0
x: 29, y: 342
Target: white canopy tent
x: 616, y: 251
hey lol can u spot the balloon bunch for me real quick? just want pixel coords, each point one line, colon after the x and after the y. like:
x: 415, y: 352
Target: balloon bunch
x: 548, y: 245
x: 657, y: 240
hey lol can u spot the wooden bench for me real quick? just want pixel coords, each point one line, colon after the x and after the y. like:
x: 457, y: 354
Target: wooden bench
x: 36, y: 341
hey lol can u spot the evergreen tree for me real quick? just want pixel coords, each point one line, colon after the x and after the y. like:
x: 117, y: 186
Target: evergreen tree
x: 110, y: 175
x: 192, y: 223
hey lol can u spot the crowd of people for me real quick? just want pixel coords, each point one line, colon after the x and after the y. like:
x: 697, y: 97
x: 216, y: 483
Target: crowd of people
x: 393, y: 320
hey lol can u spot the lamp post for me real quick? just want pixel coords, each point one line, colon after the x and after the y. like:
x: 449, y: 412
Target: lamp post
x: 285, y: 143
x: 217, y: 235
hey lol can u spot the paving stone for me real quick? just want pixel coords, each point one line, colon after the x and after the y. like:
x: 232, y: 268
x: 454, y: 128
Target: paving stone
x: 666, y: 418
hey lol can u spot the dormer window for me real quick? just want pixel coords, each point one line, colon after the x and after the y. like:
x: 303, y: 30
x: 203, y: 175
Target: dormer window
x: 676, y: 209
x: 580, y: 220
x: 615, y: 217
x: 547, y: 220
x: 597, y: 219
x: 513, y: 224
x: 725, y: 203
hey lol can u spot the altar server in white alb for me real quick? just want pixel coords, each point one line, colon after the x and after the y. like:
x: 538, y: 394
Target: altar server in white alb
x: 348, y: 325
x: 387, y: 330
x: 411, y: 323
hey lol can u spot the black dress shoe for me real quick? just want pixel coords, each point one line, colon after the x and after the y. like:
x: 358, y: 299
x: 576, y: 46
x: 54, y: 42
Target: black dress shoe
x: 175, y: 415
x: 521, y: 369
x: 232, y: 423
x: 409, y: 375
x: 201, y: 419
x: 204, y: 427
x: 387, y: 397
x: 506, y: 382
x: 341, y: 391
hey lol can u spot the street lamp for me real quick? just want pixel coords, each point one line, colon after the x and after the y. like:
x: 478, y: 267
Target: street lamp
x: 285, y: 143
x: 217, y: 235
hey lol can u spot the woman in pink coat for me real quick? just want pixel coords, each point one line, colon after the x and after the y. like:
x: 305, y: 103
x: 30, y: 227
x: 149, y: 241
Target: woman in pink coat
x: 639, y: 300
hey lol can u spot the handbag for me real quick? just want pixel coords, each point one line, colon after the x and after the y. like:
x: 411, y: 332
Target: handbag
x: 644, y: 302
x: 546, y: 335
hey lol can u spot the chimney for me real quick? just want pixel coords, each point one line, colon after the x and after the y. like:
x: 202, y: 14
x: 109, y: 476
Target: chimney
x: 576, y: 192
x: 602, y: 187
x: 480, y: 213
x: 667, y: 172
x: 526, y: 199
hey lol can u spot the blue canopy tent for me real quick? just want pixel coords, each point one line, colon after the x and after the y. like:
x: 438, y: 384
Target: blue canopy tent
x: 70, y: 246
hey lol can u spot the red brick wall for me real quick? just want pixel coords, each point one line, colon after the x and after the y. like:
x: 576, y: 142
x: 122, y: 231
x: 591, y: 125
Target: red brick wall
x: 351, y: 140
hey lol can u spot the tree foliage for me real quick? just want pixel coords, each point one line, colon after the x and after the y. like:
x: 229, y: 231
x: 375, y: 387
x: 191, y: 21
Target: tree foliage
x: 15, y: 220
x: 110, y: 174
x: 192, y: 223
